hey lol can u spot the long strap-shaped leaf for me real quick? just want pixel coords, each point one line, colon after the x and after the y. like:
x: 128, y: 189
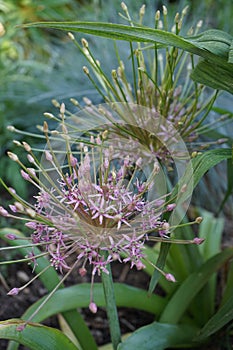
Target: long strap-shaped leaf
x: 50, y: 279
x: 219, y: 320
x: 200, y: 166
x: 78, y: 296
x: 191, y: 286
x: 35, y: 336
x: 213, y: 45
x: 159, y: 336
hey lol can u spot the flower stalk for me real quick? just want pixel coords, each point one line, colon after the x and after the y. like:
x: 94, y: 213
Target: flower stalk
x: 111, y: 305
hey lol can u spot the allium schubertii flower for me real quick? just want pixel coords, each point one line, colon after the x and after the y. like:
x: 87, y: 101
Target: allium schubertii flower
x: 91, y: 204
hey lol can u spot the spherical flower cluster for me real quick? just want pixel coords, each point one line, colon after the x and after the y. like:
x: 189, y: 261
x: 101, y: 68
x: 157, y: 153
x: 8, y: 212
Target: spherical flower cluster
x: 94, y: 208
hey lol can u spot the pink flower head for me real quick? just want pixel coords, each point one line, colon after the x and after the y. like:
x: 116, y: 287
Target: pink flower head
x: 94, y: 208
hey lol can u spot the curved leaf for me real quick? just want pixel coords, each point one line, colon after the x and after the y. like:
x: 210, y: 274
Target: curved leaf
x: 215, y: 41
x: 79, y: 296
x: 191, y: 286
x: 200, y: 165
x: 219, y: 320
x: 50, y: 279
x: 159, y: 336
x: 35, y: 336
x: 164, y: 249
x: 205, y: 73
x: 214, y: 46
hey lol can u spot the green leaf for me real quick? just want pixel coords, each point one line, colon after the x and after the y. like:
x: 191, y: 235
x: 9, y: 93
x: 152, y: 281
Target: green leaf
x: 50, y: 279
x: 219, y: 320
x: 35, y: 336
x: 215, y: 41
x: 164, y: 249
x: 229, y: 190
x: 213, y: 75
x: 229, y: 284
x: 110, y: 304
x: 207, y: 160
x: 200, y: 165
x: 79, y: 296
x: 211, y: 230
x: 230, y: 57
x: 159, y: 336
x: 214, y: 46
x: 180, y: 301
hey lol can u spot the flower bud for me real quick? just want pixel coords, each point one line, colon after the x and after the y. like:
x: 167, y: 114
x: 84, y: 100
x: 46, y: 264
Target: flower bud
x: 74, y: 101
x: 31, y: 171
x: 140, y: 265
x: 45, y: 127
x: 31, y: 212
x: 171, y: 207
x: 93, y: 307
x: 11, y: 128
x: 19, y: 206
x: 82, y: 271
x: 84, y: 43
x: 11, y: 236
x: 3, y: 212
x: 166, y: 226
x: 73, y: 160
x: 25, y: 176
x: 48, y: 156
x: 199, y: 219
x: 71, y: 36
x: 49, y: 115
x: 16, y: 142
x: 30, y: 158
x: 157, y: 15
x: 123, y: 6
x: 170, y: 277
x: 55, y: 103
x: 142, y: 10
x: 198, y: 241
x: 13, y: 208
x: 13, y: 156
x: 26, y: 146
x: 86, y: 70
x: 14, y: 291
x: 62, y: 108
x: 114, y: 74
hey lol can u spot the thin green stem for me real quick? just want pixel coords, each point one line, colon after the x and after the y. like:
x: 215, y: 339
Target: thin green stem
x: 111, y: 306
